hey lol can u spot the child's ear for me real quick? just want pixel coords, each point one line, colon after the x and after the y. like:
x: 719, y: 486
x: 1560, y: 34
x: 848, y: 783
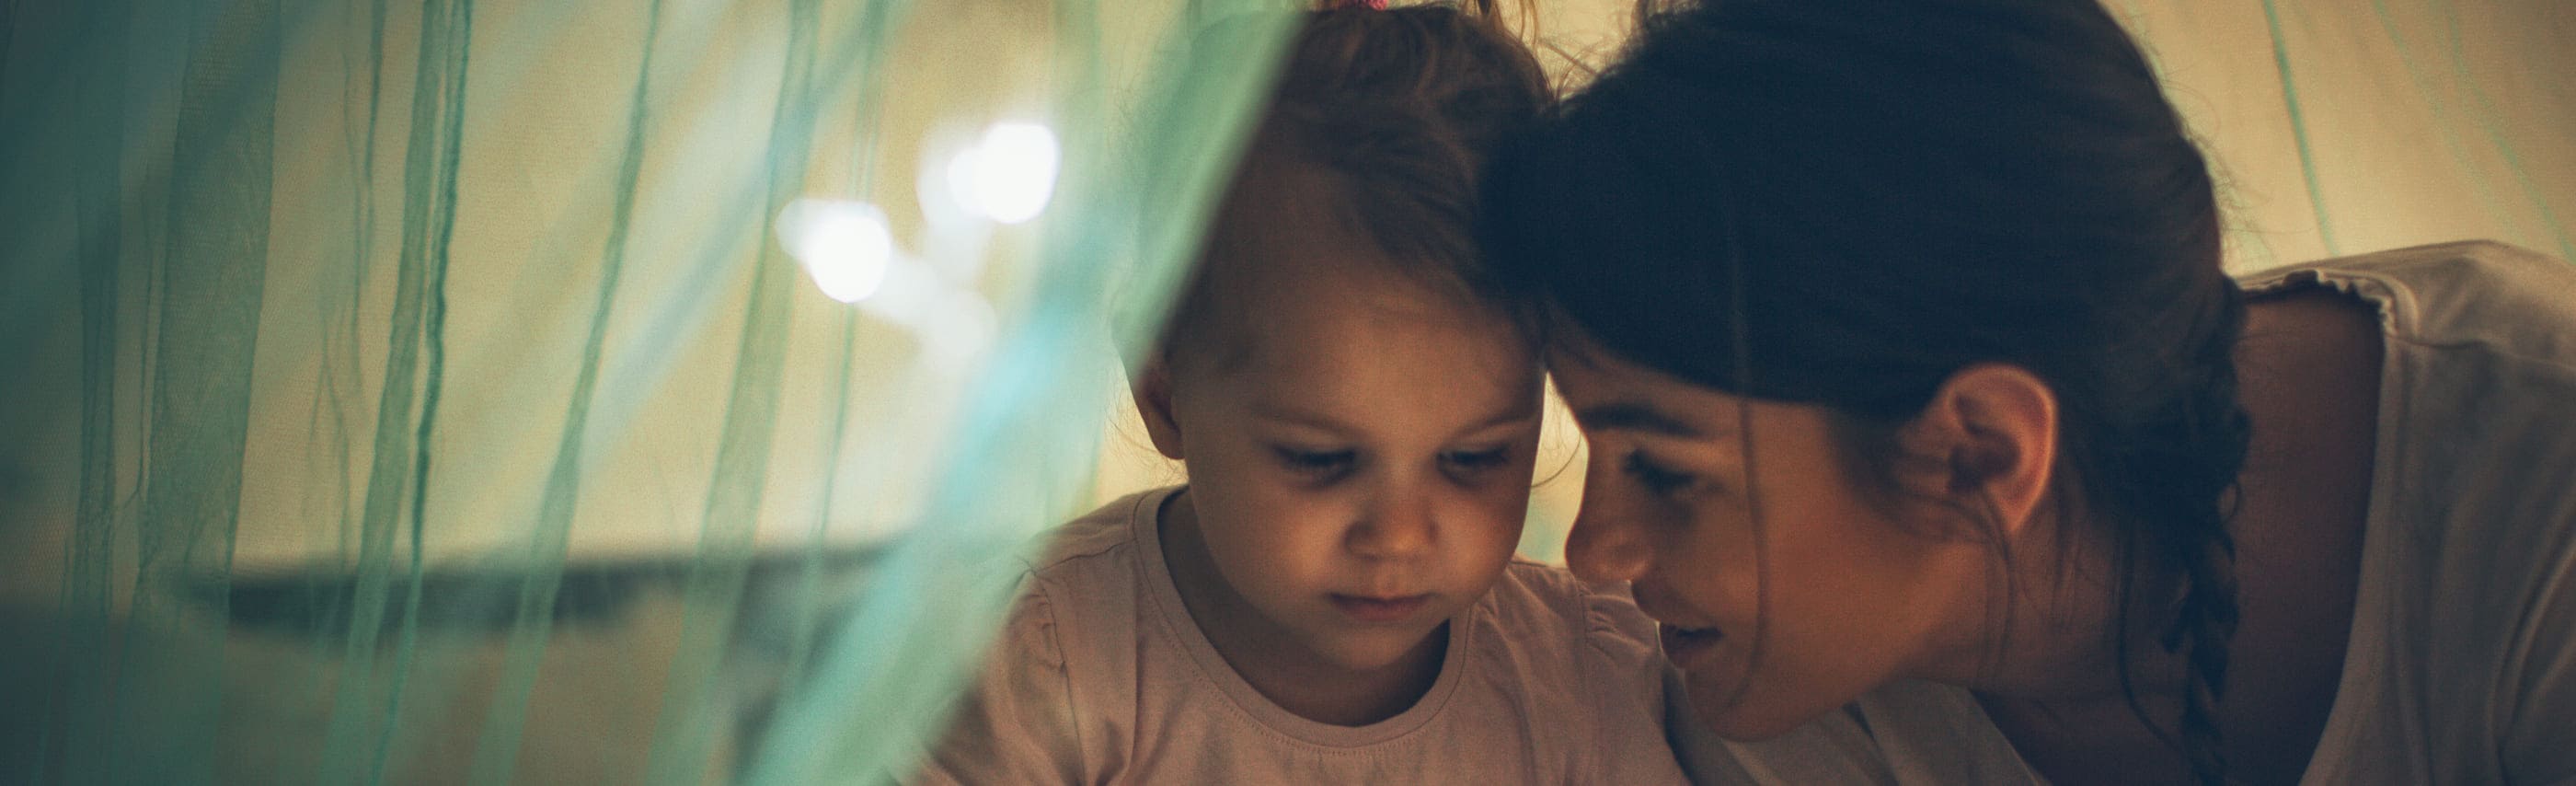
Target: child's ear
x: 1986, y: 443
x: 1152, y: 388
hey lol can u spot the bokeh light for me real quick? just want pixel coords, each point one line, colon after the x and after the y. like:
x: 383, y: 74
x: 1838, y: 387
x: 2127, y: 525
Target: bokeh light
x: 1008, y: 174
x: 844, y: 245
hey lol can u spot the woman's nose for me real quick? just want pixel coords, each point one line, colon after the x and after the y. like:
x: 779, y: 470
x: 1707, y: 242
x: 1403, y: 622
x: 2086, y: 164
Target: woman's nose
x: 1606, y: 544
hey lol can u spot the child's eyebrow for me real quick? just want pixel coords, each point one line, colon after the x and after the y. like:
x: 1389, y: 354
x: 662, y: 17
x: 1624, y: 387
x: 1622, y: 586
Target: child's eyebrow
x: 1515, y: 415
x: 1300, y: 417
x: 1290, y: 414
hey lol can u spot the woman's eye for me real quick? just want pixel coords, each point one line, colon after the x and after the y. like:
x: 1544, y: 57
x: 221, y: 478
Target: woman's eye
x: 1315, y: 463
x: 1656, y: 479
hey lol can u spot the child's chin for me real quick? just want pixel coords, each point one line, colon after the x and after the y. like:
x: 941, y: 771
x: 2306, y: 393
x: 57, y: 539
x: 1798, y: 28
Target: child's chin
x: 1373, y: 650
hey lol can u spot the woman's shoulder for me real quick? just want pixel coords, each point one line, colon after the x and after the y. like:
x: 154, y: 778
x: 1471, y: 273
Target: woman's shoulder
x: 2466, y: 606
x: 2483, y: 293
x: 2475, y: 399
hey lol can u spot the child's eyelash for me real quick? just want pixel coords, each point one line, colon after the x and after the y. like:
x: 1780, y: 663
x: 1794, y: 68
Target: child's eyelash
x: 1317, y: 462
x: 1656, y: 479
x: 1478, y: 459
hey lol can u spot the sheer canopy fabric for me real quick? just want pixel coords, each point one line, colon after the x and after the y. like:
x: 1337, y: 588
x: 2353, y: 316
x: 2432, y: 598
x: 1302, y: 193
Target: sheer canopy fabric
x: 486, y: 391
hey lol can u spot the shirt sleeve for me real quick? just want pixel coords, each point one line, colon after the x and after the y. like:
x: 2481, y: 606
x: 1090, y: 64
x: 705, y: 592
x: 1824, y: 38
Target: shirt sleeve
x: 1016, y: 724
x: 1624, y: 669
x: 2535, y: 747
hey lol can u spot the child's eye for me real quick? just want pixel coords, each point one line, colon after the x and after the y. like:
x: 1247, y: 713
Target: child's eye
x: 1656, y: 479
x: 1477, y: 459
x: 1315, y: 463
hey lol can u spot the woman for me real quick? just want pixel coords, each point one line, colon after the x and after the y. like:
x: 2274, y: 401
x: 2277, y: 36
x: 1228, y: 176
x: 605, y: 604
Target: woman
x: 1924, y: 419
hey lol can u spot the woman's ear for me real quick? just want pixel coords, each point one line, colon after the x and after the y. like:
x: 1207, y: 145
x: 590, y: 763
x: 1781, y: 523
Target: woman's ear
x: 1987, y: 441
x: 1152, y: 388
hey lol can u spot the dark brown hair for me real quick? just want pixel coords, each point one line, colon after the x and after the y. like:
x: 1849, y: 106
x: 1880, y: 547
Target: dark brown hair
x: 1844, y: 202
x: 1400, y: 108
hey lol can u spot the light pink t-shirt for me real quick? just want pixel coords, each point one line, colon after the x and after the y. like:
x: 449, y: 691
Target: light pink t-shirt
x: 1100, y: 676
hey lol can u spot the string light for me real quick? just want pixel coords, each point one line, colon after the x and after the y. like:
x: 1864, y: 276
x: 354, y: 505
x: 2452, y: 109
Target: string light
x: 1008, y: 175
x: 845, y: 246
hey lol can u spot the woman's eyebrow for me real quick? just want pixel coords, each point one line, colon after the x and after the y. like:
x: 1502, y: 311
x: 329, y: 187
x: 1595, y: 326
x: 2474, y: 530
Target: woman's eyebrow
x: 1635, y: 416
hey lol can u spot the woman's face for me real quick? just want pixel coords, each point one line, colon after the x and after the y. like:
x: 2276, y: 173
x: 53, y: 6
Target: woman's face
x: 1783, y: 590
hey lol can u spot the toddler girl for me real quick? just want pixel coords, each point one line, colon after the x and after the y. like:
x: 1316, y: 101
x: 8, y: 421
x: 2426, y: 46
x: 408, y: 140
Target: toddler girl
x: 1332, y: 598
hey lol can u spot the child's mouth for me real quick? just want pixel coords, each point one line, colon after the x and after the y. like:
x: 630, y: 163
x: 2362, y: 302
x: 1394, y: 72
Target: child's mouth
x: 1376, y: 609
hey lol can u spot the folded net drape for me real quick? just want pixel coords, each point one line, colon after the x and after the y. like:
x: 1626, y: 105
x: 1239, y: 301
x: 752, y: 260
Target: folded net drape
x: 483, y: 391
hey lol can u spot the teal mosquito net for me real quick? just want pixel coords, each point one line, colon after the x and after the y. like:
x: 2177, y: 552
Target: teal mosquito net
x: 488, y: 391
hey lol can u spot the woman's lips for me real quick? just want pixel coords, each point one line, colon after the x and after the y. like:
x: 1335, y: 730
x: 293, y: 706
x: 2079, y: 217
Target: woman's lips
x: 1681, y: 644
x: 1366, y: 608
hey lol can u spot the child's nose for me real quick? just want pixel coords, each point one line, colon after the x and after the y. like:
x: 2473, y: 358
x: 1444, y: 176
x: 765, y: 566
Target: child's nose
x: 1605, y: 544
x: 1399, y: 526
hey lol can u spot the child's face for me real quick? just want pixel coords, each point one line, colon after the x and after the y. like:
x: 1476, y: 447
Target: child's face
x: 1361, y: 473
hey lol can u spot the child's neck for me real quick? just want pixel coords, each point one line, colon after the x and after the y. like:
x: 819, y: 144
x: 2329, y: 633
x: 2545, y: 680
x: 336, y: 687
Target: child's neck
x: 1283, y: 669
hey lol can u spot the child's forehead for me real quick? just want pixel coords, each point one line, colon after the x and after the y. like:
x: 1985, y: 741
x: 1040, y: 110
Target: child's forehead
x: 1292, y: 267
x: 1359, y: 305
x: 1280, y: 205
x: 1324, y: 309
x: 1361, y: 393
x: 1403, y: 330
x: 1370, y: 351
